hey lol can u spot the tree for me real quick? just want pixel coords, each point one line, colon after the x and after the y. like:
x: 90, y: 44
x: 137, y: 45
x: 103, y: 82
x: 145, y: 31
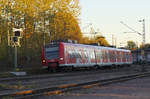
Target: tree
x: 145, y: 46
x: 38, y: 18
x: 102, y: 41
x: 131, y: 45
x: 96, y: 40
x: 65, y: 27
x: 85, y: 40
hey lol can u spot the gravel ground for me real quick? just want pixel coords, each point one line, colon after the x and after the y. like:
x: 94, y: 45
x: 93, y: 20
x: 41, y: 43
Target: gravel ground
x: 133, y: 89
x: 59, y: 81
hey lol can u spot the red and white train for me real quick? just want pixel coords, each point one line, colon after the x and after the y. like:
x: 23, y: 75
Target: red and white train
x: 63, y: 54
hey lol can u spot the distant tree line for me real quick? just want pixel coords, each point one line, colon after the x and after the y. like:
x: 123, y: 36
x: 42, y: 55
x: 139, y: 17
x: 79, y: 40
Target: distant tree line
x: 131, y: 45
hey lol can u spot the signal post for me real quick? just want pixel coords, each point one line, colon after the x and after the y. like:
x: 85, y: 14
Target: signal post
x: 15, y: 42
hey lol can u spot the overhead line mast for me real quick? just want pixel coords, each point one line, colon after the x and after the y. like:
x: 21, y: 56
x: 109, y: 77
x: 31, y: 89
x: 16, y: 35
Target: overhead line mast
x: 134, y: 31
x: 143, y: 36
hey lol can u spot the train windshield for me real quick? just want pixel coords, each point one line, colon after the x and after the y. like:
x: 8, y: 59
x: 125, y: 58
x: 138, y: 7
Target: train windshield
x: 52, y: 52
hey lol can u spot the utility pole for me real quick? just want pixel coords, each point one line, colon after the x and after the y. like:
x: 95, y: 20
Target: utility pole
x: 15, y: 58
x: 143, y: 22
x: 134, y: 31
x: 143, y: 52
x: 143, y: 37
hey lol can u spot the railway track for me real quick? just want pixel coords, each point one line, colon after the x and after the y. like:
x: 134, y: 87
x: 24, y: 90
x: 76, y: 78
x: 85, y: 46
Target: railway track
x: 65, y: 78
x: 62, y: 74
x: 63, y: 88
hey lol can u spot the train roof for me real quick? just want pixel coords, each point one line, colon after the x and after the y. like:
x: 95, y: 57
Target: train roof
x: 84, y: 45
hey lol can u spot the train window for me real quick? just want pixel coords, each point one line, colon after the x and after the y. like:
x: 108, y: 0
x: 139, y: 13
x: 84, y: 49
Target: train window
x: 107, y: 54
x: 70, y: 54
x: 85, y: 53
x: 103, y: 54
x: 111, y: 55
x: 100, y: 54
x: 80, y: 54
x: 92, y: 54
x: 51, y: 52
x: 76, y: 53
x: 73, y: 55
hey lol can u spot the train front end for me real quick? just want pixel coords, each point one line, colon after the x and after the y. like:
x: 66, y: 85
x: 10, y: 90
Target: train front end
x: 51, y: 56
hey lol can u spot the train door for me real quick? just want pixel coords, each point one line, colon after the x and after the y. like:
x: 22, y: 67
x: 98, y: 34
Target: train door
x: 106, y: 56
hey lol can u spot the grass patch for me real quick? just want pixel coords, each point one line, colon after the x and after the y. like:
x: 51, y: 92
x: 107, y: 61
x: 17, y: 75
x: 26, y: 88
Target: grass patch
x: 33, y: 71
x: 7, y: 97
x: 3, y: 86
x: 6, y: 74
x: 17, y: 86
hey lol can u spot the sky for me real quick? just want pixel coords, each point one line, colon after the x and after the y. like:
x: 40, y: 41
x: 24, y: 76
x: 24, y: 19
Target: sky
x: 106, y: 15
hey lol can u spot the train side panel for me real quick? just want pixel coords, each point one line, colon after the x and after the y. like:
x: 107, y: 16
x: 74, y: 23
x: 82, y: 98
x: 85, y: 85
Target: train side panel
x: 79, y: 55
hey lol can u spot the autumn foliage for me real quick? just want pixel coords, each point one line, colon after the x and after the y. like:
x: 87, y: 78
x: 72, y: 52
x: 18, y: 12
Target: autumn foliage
x: 65, y: 26
x: 42, y: 21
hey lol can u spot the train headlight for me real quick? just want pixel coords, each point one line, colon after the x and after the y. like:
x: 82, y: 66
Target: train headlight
x: 44, y: 61
x: 61, y: 59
